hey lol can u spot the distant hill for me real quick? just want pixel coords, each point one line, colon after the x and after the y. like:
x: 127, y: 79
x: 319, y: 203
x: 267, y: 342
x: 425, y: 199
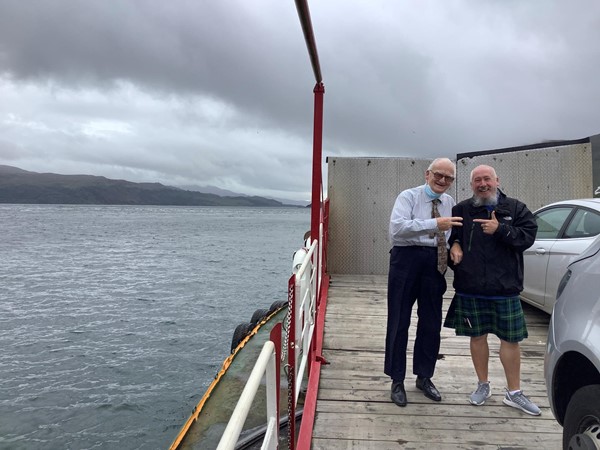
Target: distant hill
x: 225, y: 193
x: 211, y: 190
x: 21, y: 186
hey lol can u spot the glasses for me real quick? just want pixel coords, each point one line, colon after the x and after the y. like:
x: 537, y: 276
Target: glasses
x: 438, y: 176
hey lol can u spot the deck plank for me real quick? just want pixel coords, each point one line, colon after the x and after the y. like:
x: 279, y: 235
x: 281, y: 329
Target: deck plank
x: 354, y: 410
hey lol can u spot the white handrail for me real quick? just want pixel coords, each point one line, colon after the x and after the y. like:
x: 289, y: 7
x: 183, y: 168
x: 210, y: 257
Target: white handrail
x: 304, y: 311
x: 265, y: 363
x: 304, y: 308
x: 307, y: 259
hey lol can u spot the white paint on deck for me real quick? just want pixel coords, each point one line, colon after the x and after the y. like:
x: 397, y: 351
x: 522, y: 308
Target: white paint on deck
x: 354, y: 410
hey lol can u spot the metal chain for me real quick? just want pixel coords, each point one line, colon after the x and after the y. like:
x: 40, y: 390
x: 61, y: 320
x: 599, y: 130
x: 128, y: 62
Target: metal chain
x: 287, y: 326
x: 289, y: 371
x: 286, y: 336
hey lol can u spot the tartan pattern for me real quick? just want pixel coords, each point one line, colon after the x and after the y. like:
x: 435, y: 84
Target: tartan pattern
x: 473, y: 316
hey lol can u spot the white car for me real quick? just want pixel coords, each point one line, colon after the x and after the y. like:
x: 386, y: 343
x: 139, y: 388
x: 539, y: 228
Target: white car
x: 565, y: 229
x: 572, y: 362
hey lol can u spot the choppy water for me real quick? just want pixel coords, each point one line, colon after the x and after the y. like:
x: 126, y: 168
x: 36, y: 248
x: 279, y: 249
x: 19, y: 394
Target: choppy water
x: 115, y: 319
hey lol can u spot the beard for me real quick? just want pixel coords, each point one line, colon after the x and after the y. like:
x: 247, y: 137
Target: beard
x: 479, y: 200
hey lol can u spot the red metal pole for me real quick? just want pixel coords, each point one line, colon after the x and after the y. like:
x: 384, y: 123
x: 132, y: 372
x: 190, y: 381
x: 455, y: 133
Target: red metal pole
x: 317, y: 178
x: 317, y: 214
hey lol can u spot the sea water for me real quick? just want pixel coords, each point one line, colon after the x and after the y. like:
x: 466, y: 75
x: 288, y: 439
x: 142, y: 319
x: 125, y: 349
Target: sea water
x: 115, y: 319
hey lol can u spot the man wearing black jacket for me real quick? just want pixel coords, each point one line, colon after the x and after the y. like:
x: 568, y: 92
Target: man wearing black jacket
x: 487, y: 258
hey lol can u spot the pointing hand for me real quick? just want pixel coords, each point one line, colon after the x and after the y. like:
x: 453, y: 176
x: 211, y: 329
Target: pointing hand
x: 488, y: 226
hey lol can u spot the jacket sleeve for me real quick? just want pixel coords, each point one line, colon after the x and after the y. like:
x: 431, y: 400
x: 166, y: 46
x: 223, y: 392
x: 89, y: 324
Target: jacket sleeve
x: 456, y: 233
x: 520, y: 235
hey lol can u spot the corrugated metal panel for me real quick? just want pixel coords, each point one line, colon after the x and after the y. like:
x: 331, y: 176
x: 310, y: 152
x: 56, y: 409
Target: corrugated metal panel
x: 361, y: 195
x: 595, y: 142
x: 362, y: 192
x: 536, y: 177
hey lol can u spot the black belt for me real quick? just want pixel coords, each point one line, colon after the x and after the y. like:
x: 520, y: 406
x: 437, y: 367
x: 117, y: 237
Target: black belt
x: 417, y: 247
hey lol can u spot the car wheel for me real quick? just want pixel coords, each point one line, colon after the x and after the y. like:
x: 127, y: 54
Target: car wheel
x: 582, y: 420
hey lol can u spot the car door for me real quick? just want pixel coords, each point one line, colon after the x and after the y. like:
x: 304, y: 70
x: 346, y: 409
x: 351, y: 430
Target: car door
x: 550, y: 223
x: 578, y: 235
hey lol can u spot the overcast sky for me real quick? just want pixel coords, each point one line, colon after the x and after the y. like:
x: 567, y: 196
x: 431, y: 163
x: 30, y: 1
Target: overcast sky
x: 219, y: 92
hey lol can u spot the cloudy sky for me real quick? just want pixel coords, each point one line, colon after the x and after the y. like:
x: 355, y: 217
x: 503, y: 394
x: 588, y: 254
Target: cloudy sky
x: 219, y: 92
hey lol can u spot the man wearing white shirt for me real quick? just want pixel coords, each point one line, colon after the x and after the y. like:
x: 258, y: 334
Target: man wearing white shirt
x: 420, y: 226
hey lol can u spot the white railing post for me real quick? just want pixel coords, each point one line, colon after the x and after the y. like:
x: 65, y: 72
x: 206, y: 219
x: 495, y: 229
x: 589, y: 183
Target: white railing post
x: 272, y: 417
x: 304, y: 312
x: 266, y: 362
x: 304, y: 309
x: 320, y: 264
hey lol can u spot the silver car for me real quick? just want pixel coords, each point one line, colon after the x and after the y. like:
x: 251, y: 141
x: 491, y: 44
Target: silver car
x: 565, y: 229
x: 572, y: 362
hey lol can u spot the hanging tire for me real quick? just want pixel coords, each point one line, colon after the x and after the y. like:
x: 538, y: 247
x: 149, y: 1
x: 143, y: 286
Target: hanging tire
x: 240, y: 332
x: 258, y: 315
x: 581, y: 428
x: 276, y: 305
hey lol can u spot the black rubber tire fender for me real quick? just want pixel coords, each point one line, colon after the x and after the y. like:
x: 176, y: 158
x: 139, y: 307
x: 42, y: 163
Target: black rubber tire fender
x: 276, y: 305
x: 258, y: 315
x: 240, y: 332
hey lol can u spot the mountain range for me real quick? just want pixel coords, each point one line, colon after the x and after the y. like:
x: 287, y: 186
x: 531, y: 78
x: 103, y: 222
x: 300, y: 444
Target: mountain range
x: 226, y: 193
x: 22, y: 186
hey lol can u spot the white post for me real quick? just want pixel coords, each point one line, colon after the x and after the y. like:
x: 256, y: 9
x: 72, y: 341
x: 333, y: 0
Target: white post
x: 240, y: 413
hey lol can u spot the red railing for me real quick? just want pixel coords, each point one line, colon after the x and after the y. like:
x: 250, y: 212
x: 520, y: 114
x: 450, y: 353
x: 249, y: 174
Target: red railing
x: 319, y: 231
x: 307, y: 301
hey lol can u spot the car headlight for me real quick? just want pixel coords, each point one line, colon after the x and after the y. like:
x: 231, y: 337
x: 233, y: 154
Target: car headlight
x: 563, y: 283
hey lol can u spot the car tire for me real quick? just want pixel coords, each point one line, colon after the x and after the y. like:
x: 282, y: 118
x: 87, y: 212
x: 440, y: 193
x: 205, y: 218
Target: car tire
x: 581, y: 428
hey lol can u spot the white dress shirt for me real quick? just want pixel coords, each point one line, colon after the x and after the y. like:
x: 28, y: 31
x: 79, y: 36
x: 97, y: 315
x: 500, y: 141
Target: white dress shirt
x: 411, y: 222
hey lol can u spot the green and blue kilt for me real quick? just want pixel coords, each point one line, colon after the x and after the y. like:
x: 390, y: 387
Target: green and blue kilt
x: 476, y: 316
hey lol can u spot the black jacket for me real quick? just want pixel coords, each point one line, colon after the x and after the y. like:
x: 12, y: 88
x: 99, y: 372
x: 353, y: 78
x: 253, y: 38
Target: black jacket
x: 492, y: 265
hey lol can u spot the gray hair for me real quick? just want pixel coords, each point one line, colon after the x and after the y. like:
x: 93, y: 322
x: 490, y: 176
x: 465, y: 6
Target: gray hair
x: 483, y: 165
x: 436, y: 161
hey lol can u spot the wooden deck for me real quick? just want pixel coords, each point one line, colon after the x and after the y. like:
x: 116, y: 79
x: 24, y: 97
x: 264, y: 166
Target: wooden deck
x: 354, y: 410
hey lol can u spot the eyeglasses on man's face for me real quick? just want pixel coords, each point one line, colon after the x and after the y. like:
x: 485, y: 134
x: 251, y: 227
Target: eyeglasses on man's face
x: 438, y: 176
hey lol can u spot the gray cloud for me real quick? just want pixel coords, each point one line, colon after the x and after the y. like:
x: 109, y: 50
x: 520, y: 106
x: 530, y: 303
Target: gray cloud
x: 206, y: 92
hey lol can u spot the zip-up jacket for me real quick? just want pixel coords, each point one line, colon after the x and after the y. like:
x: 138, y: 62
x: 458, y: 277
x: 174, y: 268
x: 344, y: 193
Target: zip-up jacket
x: 492, y: 265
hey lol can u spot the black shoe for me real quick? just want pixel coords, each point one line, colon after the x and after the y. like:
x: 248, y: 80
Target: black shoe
x: 398, y: 393
x: 429, y: 389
